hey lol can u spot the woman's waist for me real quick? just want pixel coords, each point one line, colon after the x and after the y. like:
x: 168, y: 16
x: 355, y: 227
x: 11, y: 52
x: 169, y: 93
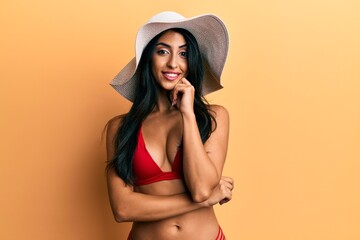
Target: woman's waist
x: 201, y: 222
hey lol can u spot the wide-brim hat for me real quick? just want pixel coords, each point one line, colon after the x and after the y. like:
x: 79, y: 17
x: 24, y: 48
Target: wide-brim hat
x: 210, y: 33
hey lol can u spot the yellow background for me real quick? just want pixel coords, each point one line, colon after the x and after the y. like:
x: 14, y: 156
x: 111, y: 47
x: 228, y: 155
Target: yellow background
x: 292, y: 87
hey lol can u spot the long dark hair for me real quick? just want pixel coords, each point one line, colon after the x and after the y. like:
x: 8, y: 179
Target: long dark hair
x: 145, y: 101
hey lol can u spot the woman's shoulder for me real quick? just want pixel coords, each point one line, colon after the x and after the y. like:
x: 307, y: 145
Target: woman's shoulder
x: 115, y: 122
x: 113, y: 125
x: 219, y: 111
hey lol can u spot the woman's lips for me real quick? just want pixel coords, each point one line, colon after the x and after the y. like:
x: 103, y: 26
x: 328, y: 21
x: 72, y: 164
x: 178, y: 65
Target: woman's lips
x: 171, y: 76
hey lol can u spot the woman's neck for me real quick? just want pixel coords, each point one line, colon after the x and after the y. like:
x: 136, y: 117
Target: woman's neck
x: 163, y: 103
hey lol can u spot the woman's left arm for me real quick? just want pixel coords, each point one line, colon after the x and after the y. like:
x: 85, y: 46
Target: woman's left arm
x: 202, y: 163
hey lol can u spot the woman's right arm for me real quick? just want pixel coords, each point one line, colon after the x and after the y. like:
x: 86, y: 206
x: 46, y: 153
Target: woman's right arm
x: 129, y: 206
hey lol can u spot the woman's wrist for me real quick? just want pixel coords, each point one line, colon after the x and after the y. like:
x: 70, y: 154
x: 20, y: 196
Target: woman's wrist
x: 189, y: 116
x: 204, y: 204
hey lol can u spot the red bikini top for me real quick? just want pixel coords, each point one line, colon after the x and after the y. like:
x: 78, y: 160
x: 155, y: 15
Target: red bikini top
x: 146, y: 171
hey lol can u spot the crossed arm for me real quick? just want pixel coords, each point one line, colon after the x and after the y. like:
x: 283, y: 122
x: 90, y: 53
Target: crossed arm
x: 128, y: 205
x: 203, y: 163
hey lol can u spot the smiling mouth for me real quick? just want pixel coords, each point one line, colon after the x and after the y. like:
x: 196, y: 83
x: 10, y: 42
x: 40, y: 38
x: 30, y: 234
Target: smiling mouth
x: 171, y: 76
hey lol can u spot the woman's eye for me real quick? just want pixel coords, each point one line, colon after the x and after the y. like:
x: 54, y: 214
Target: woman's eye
x: 162, y: 52
x: 184, y: 54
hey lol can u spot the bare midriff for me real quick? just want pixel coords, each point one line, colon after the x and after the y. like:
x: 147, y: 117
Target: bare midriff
x: 199, y: 224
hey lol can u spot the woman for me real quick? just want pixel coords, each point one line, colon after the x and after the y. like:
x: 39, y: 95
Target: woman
x: 166, y: 156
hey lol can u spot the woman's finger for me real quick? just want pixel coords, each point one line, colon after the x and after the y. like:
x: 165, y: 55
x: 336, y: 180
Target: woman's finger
x: 227, y: 195
x: 185, y: 81
x: 179, y: 89
x: 229, y: 180
x: 228, y: 185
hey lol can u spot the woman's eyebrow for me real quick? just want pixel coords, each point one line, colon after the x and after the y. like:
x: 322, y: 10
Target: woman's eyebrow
x: 168, y: 46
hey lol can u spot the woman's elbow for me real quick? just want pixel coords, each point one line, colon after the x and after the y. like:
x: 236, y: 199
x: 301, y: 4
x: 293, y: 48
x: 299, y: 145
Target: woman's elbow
x: 201, y: 195
x: 121, y: 215
x: 202, y: 192
x: 119, y: 218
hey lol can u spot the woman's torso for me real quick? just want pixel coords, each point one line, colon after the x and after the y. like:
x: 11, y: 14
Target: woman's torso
x: 162, y: 137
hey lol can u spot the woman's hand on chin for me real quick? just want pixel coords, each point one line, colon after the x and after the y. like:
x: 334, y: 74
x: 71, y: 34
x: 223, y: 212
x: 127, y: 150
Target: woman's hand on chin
x: 183, y: 96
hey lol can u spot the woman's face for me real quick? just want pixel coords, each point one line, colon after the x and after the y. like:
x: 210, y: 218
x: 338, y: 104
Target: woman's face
x: 169, y: 60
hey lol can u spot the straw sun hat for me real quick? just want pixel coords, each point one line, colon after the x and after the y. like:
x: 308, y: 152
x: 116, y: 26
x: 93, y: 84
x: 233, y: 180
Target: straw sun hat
x: 210, y: 33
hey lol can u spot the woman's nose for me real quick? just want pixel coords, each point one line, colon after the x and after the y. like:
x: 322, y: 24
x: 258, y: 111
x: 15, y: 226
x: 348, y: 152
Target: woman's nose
x: 172, y: 61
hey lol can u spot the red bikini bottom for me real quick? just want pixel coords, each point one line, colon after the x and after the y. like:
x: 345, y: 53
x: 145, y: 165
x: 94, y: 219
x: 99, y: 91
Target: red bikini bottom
x: 220, y: 235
